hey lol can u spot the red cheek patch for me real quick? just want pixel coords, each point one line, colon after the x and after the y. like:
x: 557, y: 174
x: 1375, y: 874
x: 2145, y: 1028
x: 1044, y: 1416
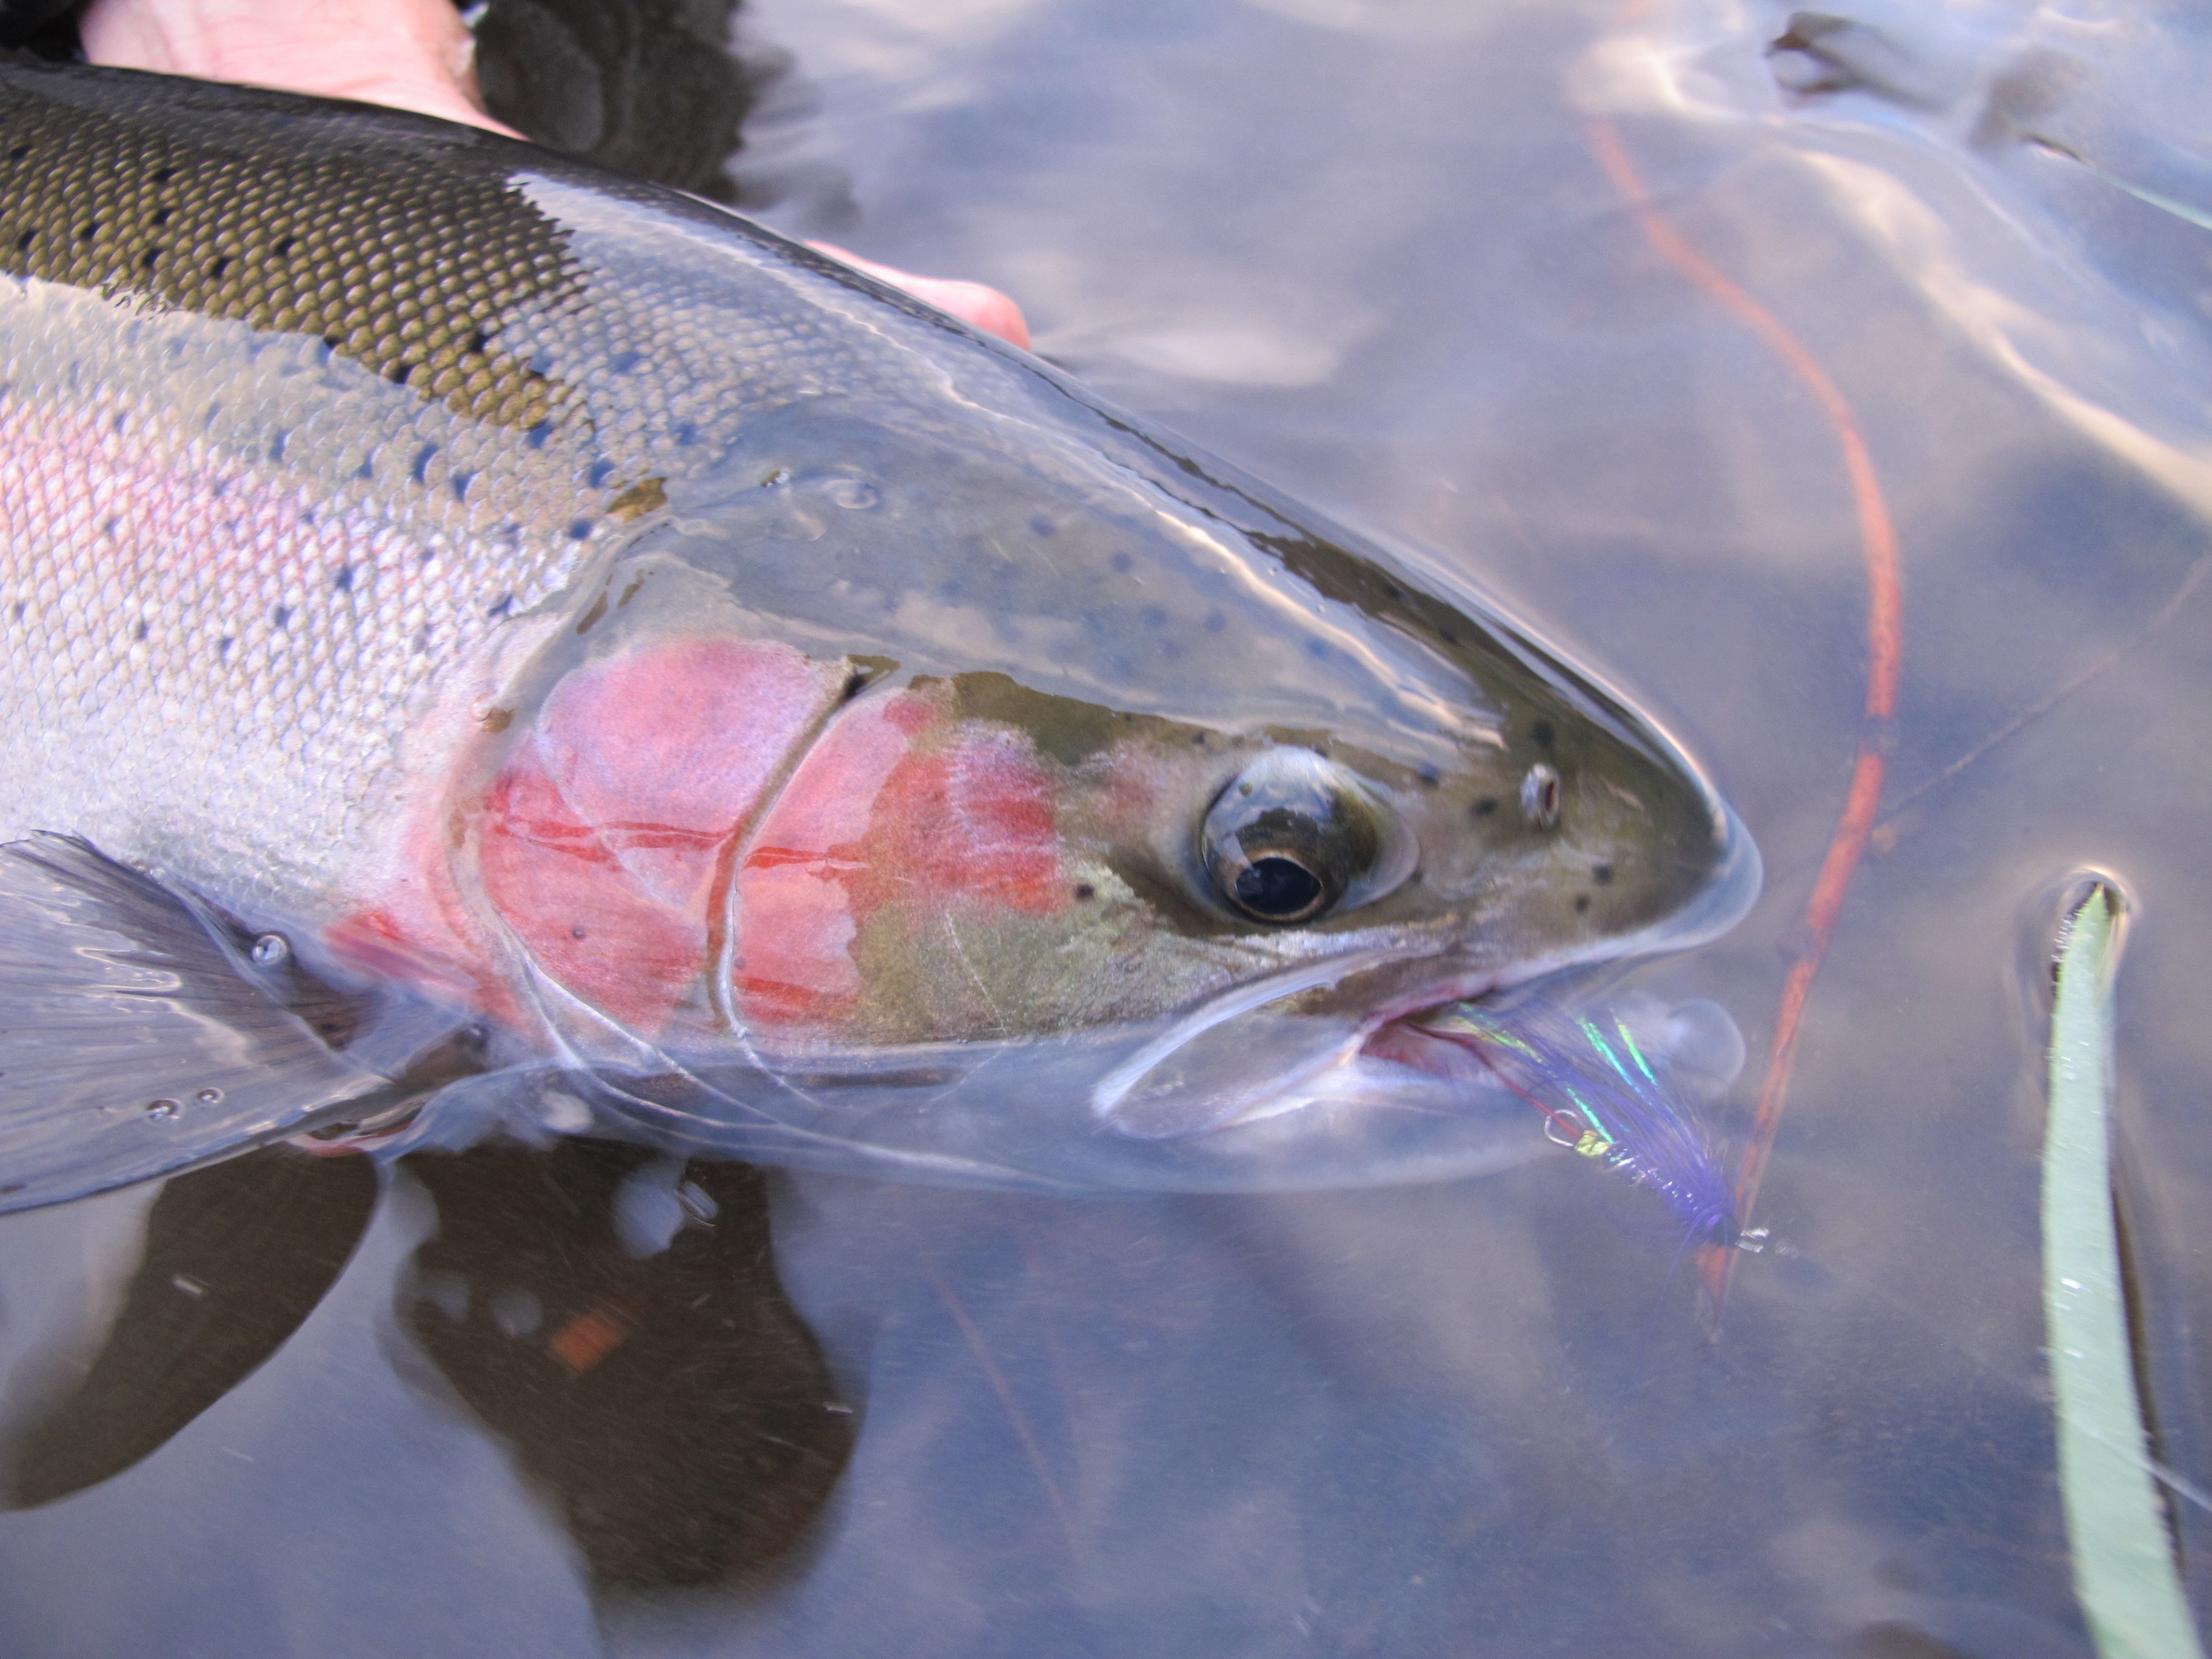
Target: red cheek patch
x: 879, y: 815
x: 604, y: 838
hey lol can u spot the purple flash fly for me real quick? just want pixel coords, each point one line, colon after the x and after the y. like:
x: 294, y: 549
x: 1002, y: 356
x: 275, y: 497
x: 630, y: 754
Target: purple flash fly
x: 1600, y: 1096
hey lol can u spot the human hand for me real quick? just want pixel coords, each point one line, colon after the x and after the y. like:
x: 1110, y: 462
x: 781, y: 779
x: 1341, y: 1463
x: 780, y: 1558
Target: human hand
x: 407, y: 54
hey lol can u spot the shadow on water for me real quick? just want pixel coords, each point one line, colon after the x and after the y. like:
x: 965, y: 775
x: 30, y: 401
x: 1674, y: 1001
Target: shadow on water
x: 658, y: 1392
x: 236, y: 1257
x: 672, y: 1407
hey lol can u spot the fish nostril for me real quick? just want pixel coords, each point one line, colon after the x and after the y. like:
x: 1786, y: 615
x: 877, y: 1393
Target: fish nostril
x: 1539, y: 796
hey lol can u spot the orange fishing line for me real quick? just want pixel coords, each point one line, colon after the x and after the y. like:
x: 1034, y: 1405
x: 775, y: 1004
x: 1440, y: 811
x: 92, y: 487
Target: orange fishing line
x: 1885, y: 617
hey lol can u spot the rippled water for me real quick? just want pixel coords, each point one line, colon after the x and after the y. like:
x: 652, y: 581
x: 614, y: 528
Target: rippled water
x: 1368, y: 250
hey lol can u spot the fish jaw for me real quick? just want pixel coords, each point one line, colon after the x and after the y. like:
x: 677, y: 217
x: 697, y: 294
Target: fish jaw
x: 1320, y: 1077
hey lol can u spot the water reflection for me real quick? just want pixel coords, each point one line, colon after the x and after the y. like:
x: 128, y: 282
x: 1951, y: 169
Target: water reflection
x: 613, y: 1319
x: 662, y: 1396
x: 234, y: 1259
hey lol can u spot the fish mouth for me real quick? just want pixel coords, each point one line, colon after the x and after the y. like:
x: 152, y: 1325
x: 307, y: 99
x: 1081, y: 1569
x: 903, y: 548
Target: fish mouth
x: 1264, y: 1049
x: 1348, y: 1029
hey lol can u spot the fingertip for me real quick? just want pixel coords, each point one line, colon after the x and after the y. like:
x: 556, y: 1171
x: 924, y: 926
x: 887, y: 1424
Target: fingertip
x: 977, y: 304
x: 987, y: 309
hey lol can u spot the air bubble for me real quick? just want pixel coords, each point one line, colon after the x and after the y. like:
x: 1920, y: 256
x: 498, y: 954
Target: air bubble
x: 162, y: 1109
x: 271, y: 950
x: 852, y: 493
x: 1539, y: 796
x: 209, y: 1097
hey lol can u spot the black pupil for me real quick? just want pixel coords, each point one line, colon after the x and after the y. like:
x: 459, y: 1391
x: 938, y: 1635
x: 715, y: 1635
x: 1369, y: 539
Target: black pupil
x: 1276, y: 886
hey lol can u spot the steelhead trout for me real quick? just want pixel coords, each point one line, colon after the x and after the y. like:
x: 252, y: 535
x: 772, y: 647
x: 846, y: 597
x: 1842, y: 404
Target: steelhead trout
x: 489, y: 641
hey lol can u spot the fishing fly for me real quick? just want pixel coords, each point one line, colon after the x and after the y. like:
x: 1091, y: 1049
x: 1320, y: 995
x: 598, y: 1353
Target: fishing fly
x: 1600, y: 1096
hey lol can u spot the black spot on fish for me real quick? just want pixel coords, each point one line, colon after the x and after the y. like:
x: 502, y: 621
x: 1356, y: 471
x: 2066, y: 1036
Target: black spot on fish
x: 576, y: 933
x: 622, y: 361
x: 422, y: 458
x: 161, y: 175
x: 139, y: 633
x: 1428, y: 775
x: 280, y: 616
x: 400, y: 372
x: 479, y: 343
x: 108, y: 528
x: 22, y: 605
x: 1485, y: 806
x: 686, y: 435
x: 1397, y: 593
x: 222, y: 647
x: 538, y: 434
x: 460, y: 482
x: 1601, y: 874
x: 600, y: 472
x: 207, y: 422
x: 1083, y: 889
x: 90, y: 229
x: 331, y: 344
x: 855, y: 682
x: 120, y: 422
x: 19, y: 152
x: 579, y: 530
x: 215, y: 271
x: 423, y: 638
x: 150, y: 258
x: 343, y: 582
x: 1543, y: 735
x: 161, y: 215
x: 1317, y: 648
x: 24, y: 242
x: 1447, y: 636
x: 1198, y: 740
x: 366, y: 470
x: 277, y: 446
x: 1582, y: 902
x: 283, y: 248
x: 1040, y: 525
x: 497, y: 611
x: 1123, y: 563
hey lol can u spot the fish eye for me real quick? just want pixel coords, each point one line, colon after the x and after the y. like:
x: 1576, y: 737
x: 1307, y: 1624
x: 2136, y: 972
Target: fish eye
x: 1292, y: 837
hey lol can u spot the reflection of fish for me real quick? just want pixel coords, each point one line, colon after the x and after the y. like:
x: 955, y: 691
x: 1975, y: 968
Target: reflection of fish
x: 235, y: 1260
x: 659, y: 1389
x: 477, y: 594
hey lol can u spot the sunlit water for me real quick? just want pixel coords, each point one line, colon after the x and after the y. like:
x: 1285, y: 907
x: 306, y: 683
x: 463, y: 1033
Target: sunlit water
x: 1364, y: 249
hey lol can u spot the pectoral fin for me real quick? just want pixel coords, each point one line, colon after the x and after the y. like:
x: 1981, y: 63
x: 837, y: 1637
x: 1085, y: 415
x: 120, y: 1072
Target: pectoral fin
x: 135, y: 1040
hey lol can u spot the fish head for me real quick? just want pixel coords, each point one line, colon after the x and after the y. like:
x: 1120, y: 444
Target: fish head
x: 954, y: 799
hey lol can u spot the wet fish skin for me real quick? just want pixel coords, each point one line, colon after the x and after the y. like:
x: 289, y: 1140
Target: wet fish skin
x: 587, y: 609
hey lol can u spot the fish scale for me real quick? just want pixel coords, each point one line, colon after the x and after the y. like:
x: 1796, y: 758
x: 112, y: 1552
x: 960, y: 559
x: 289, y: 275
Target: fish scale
x: 316, y: 430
